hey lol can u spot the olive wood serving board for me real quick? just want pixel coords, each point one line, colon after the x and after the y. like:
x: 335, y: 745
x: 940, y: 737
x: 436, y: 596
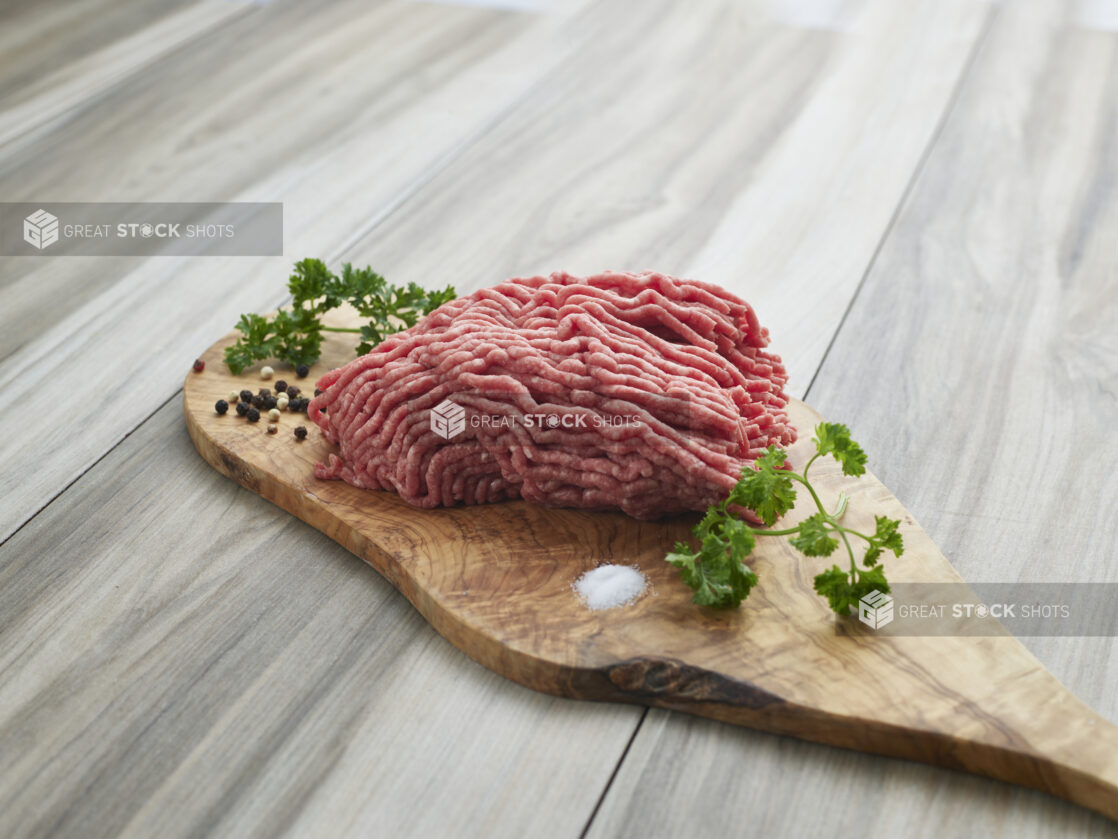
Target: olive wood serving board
x: 496, y: 581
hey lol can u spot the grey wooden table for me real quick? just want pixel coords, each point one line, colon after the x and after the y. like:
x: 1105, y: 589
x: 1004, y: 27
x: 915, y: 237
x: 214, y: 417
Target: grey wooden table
x: 920, y: 198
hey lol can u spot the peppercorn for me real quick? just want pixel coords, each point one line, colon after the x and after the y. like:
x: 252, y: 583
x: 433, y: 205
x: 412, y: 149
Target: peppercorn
x: 272, y: 428
x: 258, y: 401
x: 293, y: 391
x: 282, y: 402
x: 273, y: 415
x: 269, y: 402
x: 253, y: 415
x: 221, y: 406
x: 303, y: 403
x: 281, y: 386
x: 242, y: 408
x: 266, y: 373
x: 300, y: 432
x: 265, y: 391
x: 302, y: 370
x: 317, y: 392
x: 246, y: 395
x: 233, y: 397
x: 199, y: 365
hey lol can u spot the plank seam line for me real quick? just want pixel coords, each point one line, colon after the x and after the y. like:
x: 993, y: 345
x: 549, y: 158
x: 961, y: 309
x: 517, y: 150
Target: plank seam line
x: 613, y: 774
x: 910, y: 187
x: 90, y: 467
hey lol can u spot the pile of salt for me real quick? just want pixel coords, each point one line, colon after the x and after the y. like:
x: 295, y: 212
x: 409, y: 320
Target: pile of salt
x: 610, y: 586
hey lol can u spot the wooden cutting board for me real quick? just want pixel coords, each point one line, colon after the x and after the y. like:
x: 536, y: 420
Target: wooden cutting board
x: 496, y: 582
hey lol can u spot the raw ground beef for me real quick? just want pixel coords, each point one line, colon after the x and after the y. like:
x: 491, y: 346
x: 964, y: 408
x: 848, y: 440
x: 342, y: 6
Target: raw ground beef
x: 638, y: 392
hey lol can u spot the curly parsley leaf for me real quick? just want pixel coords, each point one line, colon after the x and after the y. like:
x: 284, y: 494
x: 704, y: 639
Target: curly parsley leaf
x: 717, y: 572
x: 833, y: 438
x: 843, y: 589
x: 294, y: 334
x: 766, y: 490
x: 885, y: 538
x: 739, y: 538
x: 888, y: 535
x: 298, y: 336
x: 814, y: 538
x: 256, y: 342
x: 311, y: 282
x: 834, y: 584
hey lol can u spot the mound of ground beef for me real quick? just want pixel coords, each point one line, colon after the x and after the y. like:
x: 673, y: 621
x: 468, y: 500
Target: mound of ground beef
x: 636, y: 392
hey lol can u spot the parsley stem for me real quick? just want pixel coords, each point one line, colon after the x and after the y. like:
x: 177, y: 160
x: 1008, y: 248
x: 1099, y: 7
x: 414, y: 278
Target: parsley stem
x: 810, y: 488
x: 786, y: 532
x: 834, y: 517
x: 339, y: 329
x: 856, y: 533
x: 849, y: 550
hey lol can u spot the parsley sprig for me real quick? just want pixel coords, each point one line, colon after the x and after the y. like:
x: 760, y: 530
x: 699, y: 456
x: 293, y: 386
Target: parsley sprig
x: 294, y: 334
x: 717, y: 571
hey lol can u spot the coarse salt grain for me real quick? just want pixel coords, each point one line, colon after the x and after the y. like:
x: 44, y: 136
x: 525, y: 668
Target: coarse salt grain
x: 610, y: 586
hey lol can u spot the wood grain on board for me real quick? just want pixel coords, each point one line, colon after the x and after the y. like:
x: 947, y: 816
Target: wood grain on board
x: 496, y: 580
x: 979, y: 368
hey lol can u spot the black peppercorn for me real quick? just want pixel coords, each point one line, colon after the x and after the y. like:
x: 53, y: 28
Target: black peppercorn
x: 221, y: 406
x: 302, y: 370
x: 253, y: 415
x: 317, y: 392
x: 293, y: 391
x: 246, y: 395
x: 300, y: 432
x: 242, y: 408
x: 269, y: 402
x: 258, y: 401
x: 281, y: 386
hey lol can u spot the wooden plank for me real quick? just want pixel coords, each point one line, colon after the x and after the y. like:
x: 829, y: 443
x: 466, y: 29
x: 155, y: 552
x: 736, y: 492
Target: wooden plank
x: 413, y: 85
x: 44, y: 85
x: 182, y: 658
x: 496, y: 581
x: 171, y: 306
x: 38, y: 39
x: 763, y: 157
x: 977, y: 367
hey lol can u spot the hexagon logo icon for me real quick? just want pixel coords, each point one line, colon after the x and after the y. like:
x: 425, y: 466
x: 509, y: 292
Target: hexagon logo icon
x: 448, y: 420
x: 40, y: 229
x: 875, y: 610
